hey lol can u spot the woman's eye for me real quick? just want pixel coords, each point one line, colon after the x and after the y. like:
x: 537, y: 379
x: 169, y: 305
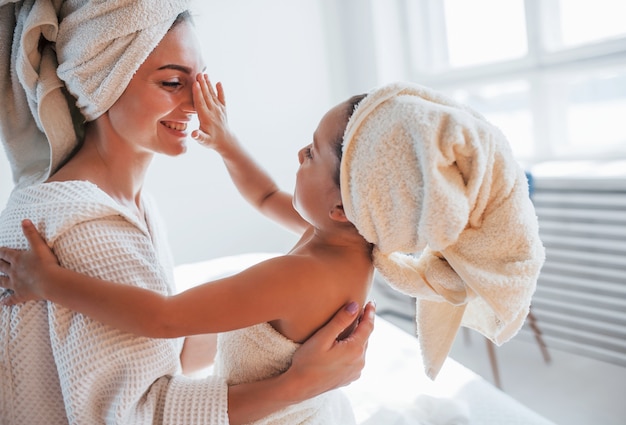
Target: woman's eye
x: 307, y: 153
x: 171, y: 84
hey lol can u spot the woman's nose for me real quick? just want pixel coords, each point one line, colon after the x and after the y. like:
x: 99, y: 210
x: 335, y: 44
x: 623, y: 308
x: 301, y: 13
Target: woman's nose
x: 187, y: 104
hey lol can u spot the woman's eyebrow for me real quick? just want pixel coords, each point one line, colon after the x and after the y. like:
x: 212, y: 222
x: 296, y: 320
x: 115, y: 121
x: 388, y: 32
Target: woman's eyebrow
x: 181, y: 68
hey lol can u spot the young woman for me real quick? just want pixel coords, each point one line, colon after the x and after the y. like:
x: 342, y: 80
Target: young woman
x: 286, y: 298
x: 64, y: 367
x: 410, y: 181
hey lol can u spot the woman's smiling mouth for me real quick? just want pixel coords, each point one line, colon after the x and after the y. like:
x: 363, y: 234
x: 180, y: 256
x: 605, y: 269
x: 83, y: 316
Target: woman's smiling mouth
x: 178, y: 126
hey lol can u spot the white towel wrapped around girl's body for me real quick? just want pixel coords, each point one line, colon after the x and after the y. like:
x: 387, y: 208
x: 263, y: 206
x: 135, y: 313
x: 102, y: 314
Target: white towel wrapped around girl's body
x: 259, y: 352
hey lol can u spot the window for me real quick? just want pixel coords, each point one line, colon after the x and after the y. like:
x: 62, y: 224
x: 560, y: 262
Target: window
x: 550, y: 73
x: 582, y: 22
x: 470, y: 34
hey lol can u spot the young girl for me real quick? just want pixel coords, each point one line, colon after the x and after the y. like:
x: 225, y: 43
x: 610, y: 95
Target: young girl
x: 421, y: 187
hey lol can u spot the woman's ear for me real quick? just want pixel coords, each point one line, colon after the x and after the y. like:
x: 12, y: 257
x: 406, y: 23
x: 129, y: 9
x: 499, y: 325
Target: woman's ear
x: 338, y: 214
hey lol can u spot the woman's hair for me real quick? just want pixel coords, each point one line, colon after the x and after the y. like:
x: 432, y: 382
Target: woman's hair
x: 351, y: 105
x: 183, y: 17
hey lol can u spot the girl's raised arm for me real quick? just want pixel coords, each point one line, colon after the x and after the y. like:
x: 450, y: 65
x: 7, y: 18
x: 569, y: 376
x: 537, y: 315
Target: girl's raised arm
x: 251, y: 180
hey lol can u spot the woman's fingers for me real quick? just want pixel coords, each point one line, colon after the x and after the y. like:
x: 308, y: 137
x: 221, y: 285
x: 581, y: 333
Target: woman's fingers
x: 364, y: 329
x: 342, y: 320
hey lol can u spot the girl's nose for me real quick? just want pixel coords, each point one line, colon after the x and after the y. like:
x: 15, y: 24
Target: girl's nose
x: 301, y: 155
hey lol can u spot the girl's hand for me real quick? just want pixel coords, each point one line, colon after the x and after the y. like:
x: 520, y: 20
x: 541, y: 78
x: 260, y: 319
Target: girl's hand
x: 210, y: 106
x: 24, y: 272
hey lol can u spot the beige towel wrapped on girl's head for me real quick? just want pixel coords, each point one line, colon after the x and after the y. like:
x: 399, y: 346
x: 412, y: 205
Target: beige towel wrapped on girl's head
x: 436, y: 189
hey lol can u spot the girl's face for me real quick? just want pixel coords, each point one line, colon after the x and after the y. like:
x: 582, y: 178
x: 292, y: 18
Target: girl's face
x: 154, y: 112
x: 316, y: 192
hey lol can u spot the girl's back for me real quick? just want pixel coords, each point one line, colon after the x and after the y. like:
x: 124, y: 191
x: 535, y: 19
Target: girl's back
x: 321, y: 277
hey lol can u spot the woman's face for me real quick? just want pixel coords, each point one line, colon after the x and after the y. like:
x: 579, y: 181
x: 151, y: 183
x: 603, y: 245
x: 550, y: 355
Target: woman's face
x: 316, y: 191
x: 154, y: 112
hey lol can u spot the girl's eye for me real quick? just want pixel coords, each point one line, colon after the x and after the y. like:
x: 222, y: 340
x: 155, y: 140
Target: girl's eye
x: 307, y: 152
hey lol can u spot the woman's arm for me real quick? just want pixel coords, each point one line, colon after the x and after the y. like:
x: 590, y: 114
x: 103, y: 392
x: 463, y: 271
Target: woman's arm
x: 252, y: 181
x: 261, y: 293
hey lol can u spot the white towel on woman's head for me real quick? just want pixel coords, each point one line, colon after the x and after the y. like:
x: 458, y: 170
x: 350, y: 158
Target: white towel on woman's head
x: 436, y: 189
x: 91, y: 48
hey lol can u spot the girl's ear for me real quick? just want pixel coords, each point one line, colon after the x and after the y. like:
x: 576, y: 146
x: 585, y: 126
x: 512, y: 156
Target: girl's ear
x: 338, y: 214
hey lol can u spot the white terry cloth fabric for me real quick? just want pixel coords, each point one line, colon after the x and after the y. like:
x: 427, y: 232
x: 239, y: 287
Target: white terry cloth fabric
x: 58, y: 366
x: 436, y: 189
x: 49, y: 47
x: 259, y: 352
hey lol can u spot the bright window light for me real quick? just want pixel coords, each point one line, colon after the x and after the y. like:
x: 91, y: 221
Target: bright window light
x: 484, y: 31
x: 584, y: 21
x: 550, y: 73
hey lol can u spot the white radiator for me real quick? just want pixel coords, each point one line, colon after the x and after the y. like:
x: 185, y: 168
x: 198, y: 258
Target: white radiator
x: 580, y: 303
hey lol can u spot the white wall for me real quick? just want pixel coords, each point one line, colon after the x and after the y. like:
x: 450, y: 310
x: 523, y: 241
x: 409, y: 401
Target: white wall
x: 272, y: 58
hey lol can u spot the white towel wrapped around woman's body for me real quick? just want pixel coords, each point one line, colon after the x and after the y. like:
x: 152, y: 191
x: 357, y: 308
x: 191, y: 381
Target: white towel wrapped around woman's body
x: 80, y: 371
